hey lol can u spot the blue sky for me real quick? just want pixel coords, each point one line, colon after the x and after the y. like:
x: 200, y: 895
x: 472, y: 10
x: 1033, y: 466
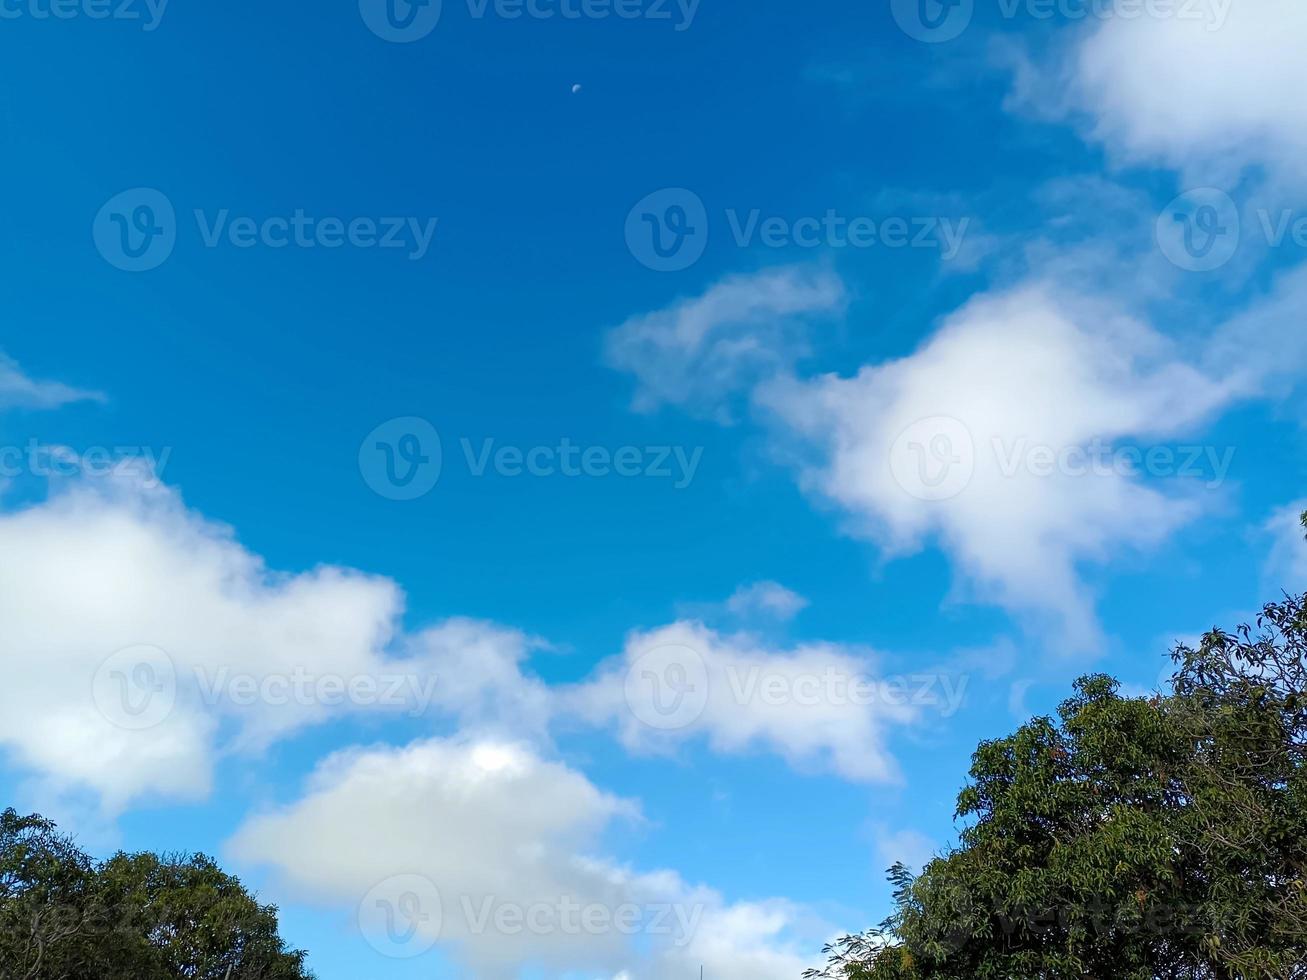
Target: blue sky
x: 707, y: 423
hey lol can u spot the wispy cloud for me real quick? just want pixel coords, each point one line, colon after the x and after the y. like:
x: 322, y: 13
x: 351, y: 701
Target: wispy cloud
x: 698, y: 353
x: 770, y: 599
x: 18, y: 390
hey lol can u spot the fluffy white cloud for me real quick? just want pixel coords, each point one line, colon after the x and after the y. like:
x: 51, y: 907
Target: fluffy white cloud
x: 1016, y: 437
x: 139, y: 639
x: 985, y: 438
x: 768, y: 598
x: 819, y: 706
x: 699, y: 352
x: 489, y: 849
x: 1208, y: 89
x: 483, y: 681
x: 17, y: 390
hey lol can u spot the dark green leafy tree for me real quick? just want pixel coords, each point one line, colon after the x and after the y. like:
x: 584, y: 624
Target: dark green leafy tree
x: 1141, y: 838
x: 133, y: 917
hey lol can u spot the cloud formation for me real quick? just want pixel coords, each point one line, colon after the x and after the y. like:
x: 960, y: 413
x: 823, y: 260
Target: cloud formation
x: 1207, y: 91
x: 17, y: 390
x: 821, y: 707
x: 984, y: 438
x: 142, y: 641
x: 491, y: 848
x: 699, y: 352
x: 769, y: 599
x: 1017, y: 435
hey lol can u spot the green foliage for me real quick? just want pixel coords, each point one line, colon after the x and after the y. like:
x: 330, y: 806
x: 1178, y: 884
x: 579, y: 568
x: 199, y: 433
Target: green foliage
x: 1140, y: 838
x: 133, y: 917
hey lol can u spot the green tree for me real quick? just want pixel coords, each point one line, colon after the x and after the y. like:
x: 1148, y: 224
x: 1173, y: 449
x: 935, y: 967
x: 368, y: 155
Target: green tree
x: 1146, y: 838
x: 133, y: 917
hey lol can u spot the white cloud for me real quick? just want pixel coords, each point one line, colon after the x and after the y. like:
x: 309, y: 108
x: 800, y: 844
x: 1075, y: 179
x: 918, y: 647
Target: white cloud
x: 112, y: 564
x: 699, y: 352
x: 1207, y: 93
x: 1014, y: 436
x: 248, y: 655
x: 950, y: 442
x: 819, y: 706
x: 508, y: 840
x: 1261, y: 351
x: 483, y: 682
x: 768, y: 598
x: 141, y: 641
x: 17, y: 390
